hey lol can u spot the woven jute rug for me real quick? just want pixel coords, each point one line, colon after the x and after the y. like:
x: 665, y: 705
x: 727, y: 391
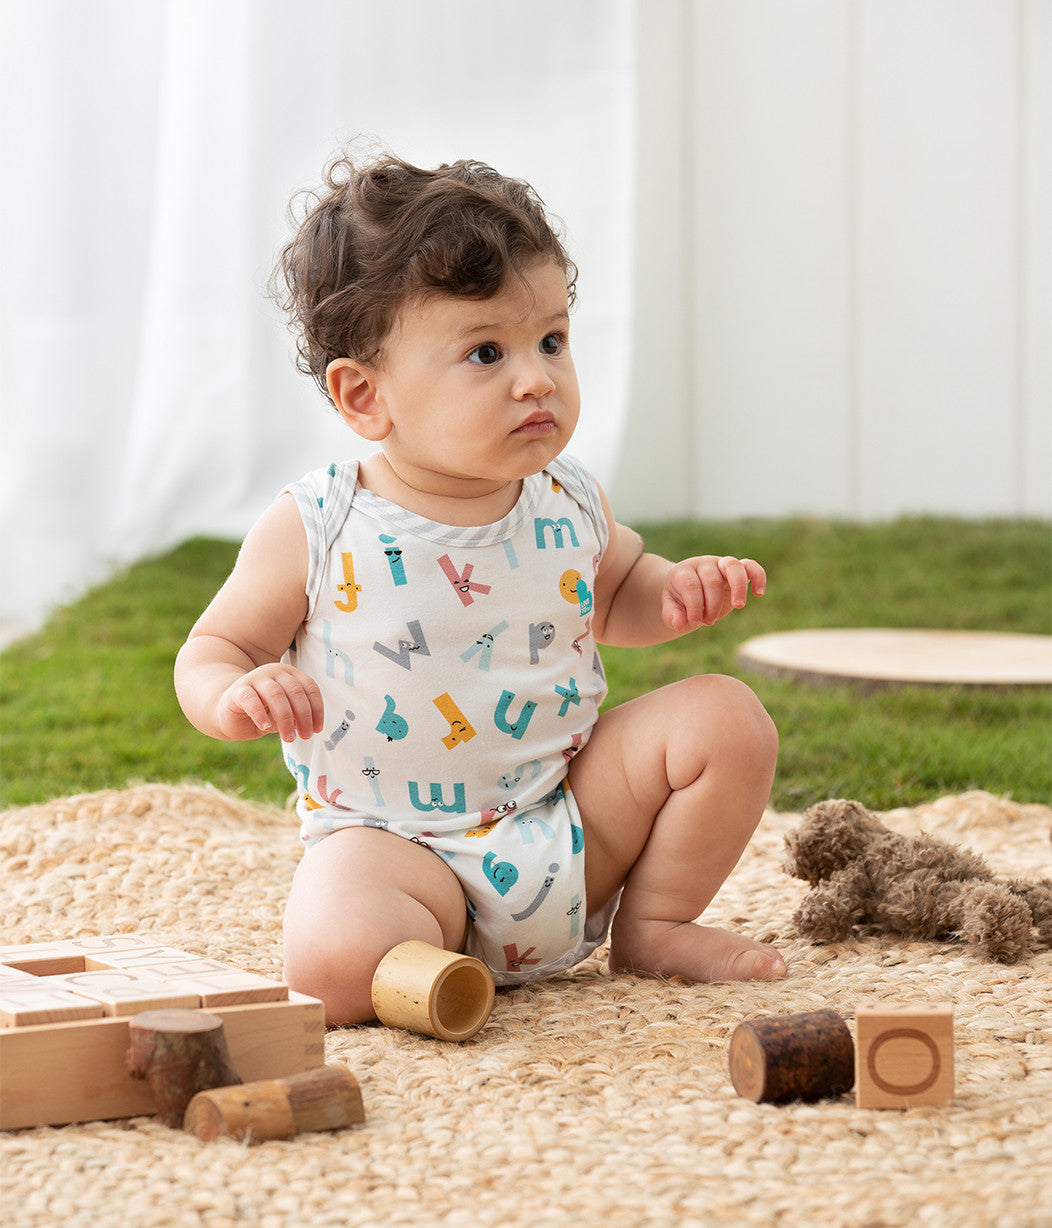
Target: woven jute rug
x: 585, y: 1100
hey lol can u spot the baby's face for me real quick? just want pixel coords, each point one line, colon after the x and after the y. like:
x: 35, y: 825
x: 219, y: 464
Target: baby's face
x: 480, y: 390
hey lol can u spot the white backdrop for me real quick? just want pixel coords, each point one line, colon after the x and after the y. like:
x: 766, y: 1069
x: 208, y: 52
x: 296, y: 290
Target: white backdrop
x: 150, y: 148
x: 813, y: 241
x: 844, y: 244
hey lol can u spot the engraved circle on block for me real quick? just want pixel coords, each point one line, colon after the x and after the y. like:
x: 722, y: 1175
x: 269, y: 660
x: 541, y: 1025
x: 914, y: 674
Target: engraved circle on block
x: 903, y: 1089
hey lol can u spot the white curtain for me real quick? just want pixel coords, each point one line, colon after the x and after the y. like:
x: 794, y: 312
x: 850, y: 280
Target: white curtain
x: 150, y: 148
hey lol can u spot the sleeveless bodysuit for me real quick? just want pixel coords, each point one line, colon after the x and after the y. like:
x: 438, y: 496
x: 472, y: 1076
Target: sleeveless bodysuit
x: 460, y: 677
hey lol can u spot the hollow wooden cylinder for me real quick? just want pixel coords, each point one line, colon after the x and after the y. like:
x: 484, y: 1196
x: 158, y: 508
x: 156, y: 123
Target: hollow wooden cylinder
x: 433, y: 992
x: 327, y: 1098
x: 792, y: 1057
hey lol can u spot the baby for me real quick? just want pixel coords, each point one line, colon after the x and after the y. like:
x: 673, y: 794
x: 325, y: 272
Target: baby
x: 420, y: 628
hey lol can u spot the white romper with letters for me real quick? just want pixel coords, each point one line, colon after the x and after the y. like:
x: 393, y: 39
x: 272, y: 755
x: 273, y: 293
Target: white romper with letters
x: 460, y: 677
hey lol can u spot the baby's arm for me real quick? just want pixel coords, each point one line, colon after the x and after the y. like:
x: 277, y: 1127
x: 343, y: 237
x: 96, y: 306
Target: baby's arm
x: 229, y: 677
x: 641, y: 598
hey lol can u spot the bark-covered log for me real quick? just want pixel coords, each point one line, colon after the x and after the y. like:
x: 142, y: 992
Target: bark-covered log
x: 792, y: 1057
x: 327, y: 1098
x: 179, y: 1053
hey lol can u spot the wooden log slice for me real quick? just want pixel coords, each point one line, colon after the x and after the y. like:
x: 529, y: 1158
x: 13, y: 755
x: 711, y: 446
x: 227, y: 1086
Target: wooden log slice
x: 792, y: 1057
x: 179, y: 1053
x: 327, y: 1098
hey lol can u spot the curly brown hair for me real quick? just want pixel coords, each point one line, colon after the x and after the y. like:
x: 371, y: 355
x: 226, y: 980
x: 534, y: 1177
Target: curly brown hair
x: 379, y: 235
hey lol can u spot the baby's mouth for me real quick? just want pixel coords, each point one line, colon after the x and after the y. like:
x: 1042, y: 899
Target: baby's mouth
x: 536, y: 424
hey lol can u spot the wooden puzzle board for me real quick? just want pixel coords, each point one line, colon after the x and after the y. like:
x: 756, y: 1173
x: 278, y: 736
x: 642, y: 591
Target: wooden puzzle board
x: 64, y: 1011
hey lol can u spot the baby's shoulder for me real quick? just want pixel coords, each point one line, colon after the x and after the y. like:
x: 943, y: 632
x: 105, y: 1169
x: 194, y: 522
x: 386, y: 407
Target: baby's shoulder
x: 325, y: 485
x: 579, y: 484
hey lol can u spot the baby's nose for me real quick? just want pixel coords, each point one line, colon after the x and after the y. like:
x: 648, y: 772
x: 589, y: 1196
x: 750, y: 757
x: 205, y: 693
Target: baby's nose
x: 532, y: 379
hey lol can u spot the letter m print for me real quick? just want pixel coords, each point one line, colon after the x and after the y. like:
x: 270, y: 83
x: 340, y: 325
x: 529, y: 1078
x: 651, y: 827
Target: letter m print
x: 541, y: 524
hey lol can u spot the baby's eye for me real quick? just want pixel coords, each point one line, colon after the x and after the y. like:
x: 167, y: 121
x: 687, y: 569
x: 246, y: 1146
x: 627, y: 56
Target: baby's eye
x: 552, y: 344
x: 485, y: 355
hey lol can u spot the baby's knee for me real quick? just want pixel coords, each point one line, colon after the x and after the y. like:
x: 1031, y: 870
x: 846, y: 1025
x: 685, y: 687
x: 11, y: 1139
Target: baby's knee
x: 757, y: 725
x: 736, y: 712
x: 338, y: 972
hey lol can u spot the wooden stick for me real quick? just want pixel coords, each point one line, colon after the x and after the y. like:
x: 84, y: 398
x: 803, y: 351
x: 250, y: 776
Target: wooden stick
x: 328, y: 1098
x: 179, y: 1053
x: 792, y: 1057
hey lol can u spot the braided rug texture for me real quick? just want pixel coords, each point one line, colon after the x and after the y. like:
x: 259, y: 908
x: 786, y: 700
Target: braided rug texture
x: 587, y: 1100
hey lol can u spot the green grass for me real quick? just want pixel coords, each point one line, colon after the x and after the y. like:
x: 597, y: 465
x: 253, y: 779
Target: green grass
x: 87, y: 703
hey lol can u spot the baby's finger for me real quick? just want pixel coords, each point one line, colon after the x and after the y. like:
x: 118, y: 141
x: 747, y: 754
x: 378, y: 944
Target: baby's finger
x: 672, y: 613
x: 309, y: 708
x: 757, y: 576
x: 685, y: 598
x: 714, y: 591
x: 737, y: 577
x: 279, y: 708
x: 301, y: 699
x: 246, y: 700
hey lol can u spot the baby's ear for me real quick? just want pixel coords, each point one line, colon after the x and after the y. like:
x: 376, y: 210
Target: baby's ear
x: 353, y: 387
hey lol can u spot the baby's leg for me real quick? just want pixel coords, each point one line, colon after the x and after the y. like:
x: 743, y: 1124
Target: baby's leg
x: 355, y: 895
x: 671, y: 787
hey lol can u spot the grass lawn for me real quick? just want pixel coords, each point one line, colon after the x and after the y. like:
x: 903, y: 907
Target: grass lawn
x: 87, y: 702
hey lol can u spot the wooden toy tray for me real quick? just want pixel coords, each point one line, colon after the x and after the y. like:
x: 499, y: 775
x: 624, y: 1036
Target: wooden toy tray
x: 64, y: 1011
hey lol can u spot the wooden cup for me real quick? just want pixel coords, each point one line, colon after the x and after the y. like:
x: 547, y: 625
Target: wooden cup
x: 436, y: 993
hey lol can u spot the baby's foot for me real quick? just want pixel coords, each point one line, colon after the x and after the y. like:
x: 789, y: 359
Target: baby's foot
x: 698, y: 952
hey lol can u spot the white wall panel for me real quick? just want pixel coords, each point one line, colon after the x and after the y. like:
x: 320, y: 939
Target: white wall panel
x: 865, y: 264
x: 770, y: 264
x: 1034, y: 257
x: 655, y: 474
x: 936, y: 201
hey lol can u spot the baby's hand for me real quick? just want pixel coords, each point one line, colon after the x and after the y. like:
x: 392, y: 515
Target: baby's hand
x: 699, y: 592
x: 271, y: 697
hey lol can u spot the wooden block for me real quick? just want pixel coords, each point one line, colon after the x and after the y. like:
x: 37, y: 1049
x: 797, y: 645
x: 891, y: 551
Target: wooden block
x: 215, y: 983
x: 904, y: 1055
x: 124, y: 993
x: 83, y: 954
x: 47, y: 965
x: 235, y: 988
x: 179, y: 1053
x: 115, y: 944
x: 178, y: 965
x: 52, y: 1074
x: 140, y: 958
x: 14, y: 976
x: 37, y: 950
x: 23, y: 1005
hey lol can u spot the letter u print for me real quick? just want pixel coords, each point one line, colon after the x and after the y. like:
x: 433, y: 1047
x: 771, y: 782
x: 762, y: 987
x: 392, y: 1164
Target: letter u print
x: 517, y: 727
